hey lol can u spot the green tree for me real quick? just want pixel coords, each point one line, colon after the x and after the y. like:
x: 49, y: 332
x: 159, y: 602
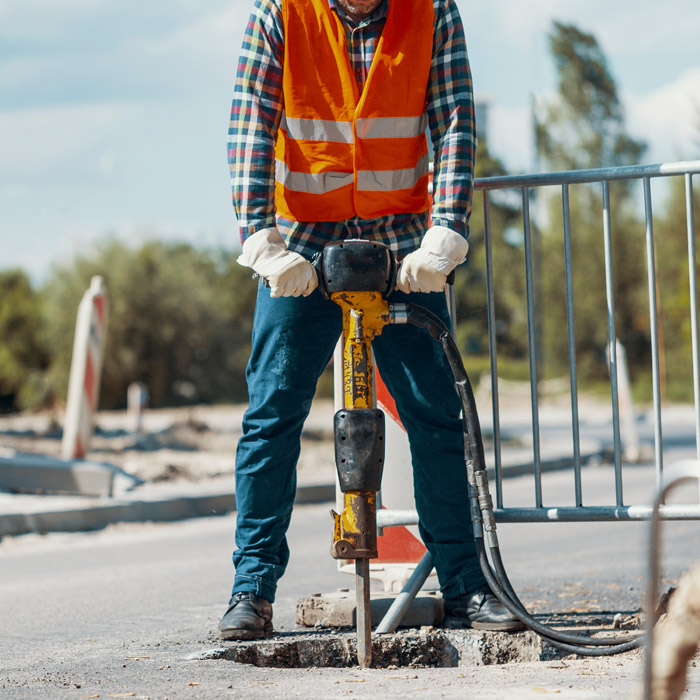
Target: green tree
x: 673, y: 288
x: 23, y: 356
x: 471, y: 284
x: 179, y: 320
x: 584, y: 127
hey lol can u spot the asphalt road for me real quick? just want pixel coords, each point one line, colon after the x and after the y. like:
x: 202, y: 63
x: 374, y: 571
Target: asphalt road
x: 117, y: 612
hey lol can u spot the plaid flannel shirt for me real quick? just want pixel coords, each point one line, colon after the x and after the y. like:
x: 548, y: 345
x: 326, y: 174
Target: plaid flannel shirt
x: 258, y: 106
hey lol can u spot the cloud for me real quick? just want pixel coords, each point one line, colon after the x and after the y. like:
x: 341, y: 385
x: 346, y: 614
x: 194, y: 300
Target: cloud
x: 673, y: 25
x: 668, y: 118
x: 42, y: 20
x: 216, y: 34
x: 34, y: 140
x: 129, y: 50
x: 510, y: 136
x: 622, y: 27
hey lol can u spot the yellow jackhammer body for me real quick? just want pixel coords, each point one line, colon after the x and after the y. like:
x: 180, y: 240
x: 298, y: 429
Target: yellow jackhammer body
x: 357, y: 275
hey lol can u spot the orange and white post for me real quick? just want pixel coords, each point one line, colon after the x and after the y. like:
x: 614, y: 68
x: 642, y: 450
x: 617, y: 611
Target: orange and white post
x: 85, y: 371
x: 400, y: 547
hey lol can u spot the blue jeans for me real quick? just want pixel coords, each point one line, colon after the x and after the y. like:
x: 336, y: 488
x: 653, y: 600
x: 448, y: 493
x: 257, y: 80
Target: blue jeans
x: 292, y: 343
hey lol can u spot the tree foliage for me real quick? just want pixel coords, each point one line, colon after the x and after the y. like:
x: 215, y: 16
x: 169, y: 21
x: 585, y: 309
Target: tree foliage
x: 673, y: 287
x: 179, y: 320
x: 23, y: 356
x: 470, y: 289
x: 584, y: 128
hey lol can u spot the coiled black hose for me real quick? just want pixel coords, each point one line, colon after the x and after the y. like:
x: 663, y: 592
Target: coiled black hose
x: 481, y: 506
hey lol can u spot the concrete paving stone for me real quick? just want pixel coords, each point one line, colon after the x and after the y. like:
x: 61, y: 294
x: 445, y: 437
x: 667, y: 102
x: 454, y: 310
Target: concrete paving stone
x: 337, y: 609
x: 42, y: 474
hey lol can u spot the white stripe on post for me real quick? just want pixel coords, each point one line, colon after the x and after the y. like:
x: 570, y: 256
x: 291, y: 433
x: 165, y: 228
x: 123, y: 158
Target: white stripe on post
x: 85, y: 371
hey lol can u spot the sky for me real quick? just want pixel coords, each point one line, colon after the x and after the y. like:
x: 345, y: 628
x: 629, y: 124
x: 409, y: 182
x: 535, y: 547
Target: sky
x: 113, y: 115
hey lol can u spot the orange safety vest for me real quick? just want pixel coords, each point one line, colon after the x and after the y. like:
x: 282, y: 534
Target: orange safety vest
x: 339, y: 153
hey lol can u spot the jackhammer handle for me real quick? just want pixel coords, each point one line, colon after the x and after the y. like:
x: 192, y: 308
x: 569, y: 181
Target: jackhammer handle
x: 317, y: 262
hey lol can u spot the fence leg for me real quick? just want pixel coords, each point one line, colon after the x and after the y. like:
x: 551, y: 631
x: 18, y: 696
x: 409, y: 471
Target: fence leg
x: 403, y: 601
x: 630, y: 434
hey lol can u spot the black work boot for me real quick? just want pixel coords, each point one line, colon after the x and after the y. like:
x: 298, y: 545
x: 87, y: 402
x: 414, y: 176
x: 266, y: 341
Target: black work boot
x: 248, y: 617
x: 480, y: 610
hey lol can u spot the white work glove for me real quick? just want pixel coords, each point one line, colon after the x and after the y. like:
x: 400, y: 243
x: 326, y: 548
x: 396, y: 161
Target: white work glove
x: 426, y: 269
x: 288, y: 273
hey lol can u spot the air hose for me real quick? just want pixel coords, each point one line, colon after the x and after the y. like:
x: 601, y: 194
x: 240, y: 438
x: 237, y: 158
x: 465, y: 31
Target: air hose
x: 481, y: 505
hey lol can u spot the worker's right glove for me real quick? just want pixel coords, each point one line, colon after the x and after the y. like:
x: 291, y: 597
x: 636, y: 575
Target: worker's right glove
x: 426, y: 269
x: 287, y: 273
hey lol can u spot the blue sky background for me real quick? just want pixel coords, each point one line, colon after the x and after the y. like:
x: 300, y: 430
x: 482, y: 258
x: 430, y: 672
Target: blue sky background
x: 113, y: 115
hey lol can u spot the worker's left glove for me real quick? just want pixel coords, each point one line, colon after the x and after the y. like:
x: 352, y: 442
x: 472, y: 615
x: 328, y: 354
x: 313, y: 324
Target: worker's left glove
x: 287, y: 273
x: 426, y: 269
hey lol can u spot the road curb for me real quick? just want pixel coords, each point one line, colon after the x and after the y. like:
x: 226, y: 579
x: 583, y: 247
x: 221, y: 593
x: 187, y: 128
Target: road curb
x: 96, y: 517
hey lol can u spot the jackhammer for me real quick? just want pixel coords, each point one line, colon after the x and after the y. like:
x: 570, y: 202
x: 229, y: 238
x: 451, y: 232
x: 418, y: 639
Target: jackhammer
x: 359, y: 276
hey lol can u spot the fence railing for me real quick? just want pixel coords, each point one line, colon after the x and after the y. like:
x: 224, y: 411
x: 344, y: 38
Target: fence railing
x: 526, y: 185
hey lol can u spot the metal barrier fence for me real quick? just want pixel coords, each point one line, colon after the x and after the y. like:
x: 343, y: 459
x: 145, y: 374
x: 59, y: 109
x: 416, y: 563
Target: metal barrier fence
x: 580, y: 512
x: 526, y: 185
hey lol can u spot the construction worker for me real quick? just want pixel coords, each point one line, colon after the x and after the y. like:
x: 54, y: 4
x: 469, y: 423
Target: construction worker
x: 327, y: 141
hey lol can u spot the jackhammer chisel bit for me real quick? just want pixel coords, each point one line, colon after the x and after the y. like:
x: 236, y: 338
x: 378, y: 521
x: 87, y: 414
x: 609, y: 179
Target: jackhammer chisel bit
x: 357, y: 275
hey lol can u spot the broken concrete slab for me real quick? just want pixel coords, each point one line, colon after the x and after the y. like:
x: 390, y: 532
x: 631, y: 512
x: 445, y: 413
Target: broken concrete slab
x: 35, y: 473
x: 338, y: 609
x: 428, y: 647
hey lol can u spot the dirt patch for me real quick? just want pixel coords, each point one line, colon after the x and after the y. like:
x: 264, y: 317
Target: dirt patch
x: 178, y: 444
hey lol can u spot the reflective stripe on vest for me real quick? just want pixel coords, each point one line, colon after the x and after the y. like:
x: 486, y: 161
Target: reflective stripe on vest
x: 386, y: 180
x: 392, y: 127
x: 367, y: 180
x: 311, y: 183
x: 341, y: 132
x: 317, y: 130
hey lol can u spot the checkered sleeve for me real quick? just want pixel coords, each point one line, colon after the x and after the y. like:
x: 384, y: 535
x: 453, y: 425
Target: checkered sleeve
x: 451, y: 119
x: 255, y: 116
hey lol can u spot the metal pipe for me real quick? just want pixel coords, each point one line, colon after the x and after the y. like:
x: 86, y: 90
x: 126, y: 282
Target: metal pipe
x: 572, y: 177
x: 563, y: 514
x: 493, y: 355
x: 532, y: 348
x: 363, y: 612
x: 654, y: 322
x: 612, y: 346
x: 398, y: 314
x: 594, y: 514
x: 572, y: 344
x: 394, y: 518
x: 403, y: 601
x: 693, y: 280
x: 654, y: 566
